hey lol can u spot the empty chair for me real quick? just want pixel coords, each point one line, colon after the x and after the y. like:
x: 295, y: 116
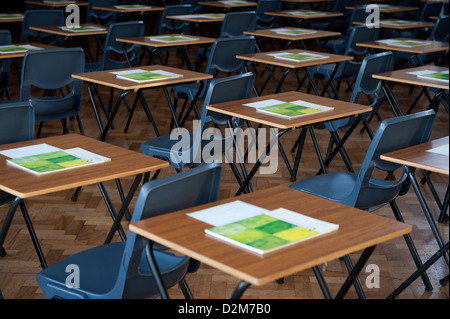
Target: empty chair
x: 364, y: 190
x: 348, y: 70
x: 16, y: 125
x: 174, y: 26
x: 222, y: 58
x: 101, y: 16
x: 42, y: 18
x: 51, y: 71
x: 188, y: 151
x: 122, y: 270
x: 264, y: 21
x: 365, y: 85
x: 338, y: 23
x: 5, y: 66
x: 234, y: 24
x: 427, y: 11
x: 113, y: 51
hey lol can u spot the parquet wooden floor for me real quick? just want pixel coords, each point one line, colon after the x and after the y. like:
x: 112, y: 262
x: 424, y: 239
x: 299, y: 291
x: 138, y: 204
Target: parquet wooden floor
x: 65, y: 227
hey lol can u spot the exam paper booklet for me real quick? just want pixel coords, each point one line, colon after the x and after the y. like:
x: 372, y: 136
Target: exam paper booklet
x: 259, y: 230
x: 131, y: 6
x: 398, y: 22
x: 404, y: 43
x: 7, y: 16
x: 211, y: 15
x: 297, y: 57
x: 288, y: 110
x: 60, y: 1
x: 234, y: 2
x: 142, y: 76
x: 307, y: 13
x: 86, y: 28
x: 172, y: 38
x: 43, y: 158
x: 296, y: 31
x: 432, y: 75
x: 5, y: 49
x: 442, y: 150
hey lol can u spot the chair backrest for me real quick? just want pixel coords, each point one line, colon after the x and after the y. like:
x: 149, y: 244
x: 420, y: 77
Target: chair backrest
x: 16, y: 122
x: 358, y: 34
x: 220, y: 90
x: 440, y: 30
x: 41, y: 18
x: 5, y: 64
x: 263, y: 20
x: 196, y: 8
x: 365, y: 83
x: 223, y: 53
x: 235, y: 23
x: 392, y: 134
x: 429, y: 10
x: 52, y: 70
x: 113, y: 50
x: 174, y: 26
x: 197, y: 186
x: 101, y: 16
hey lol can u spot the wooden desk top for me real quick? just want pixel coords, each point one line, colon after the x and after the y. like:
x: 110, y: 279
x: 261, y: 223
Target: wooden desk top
x: 357, y: 230
x: 147, y: 40
x: 341, y: 109
x: 56, y: 29
x: 228, y: 4
x: 57, y: 4
x: 389, y: 9
x: 11, y: 17
x: 432, y: 46
x: 409, y: 26
x: 129, y: 8
x: 108, y: 79
x: 199, y: 17
x: 271, y: 33
x: 418, y: 157
x: 317, y: 15
x: 265, y: 58
x: 123, y: 163
x: 14, y: 55
x: 403, y: 76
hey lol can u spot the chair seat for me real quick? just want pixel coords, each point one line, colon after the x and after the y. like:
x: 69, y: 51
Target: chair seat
x: 188, y: 90
x: 100, y: 283
x: 339, y: 185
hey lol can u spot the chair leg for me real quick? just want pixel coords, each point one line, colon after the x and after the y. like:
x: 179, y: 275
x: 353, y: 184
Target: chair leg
x: 411, y: 247
x: 185, y: 289
x: 38, y: 134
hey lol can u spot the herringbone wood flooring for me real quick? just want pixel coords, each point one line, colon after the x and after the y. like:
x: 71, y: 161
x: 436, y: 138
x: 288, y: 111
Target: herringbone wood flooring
x: 65, y: 227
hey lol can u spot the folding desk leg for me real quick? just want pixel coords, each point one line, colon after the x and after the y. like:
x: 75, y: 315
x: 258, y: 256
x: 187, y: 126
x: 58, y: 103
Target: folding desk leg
x: 323, y: 285
x: 113, y: 114
x: 7, y: 223
x: 443, y: 217
x: 355, y: 272
x: 419, y: 272
x: 118, y: 218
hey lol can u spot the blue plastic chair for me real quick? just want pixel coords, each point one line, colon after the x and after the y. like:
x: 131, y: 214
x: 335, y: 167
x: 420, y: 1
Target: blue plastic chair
x: 42, y: 17
x: 16, y: 125
x: 174, y: 26
x: 51, y: 70
x: 264, y: 21
x: 122, y: 270
x: 348, y: 70
x: 234, y: 24
x: 338, y: 23
x: 113, y: 53
x: 185, y: 149
x: 339, y: 44
x: 222, y: 59
x: 427, y: 10
x: 365, y: 85
x: 100, y: 16
x: 365, y: 191
x: 5, y: 66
